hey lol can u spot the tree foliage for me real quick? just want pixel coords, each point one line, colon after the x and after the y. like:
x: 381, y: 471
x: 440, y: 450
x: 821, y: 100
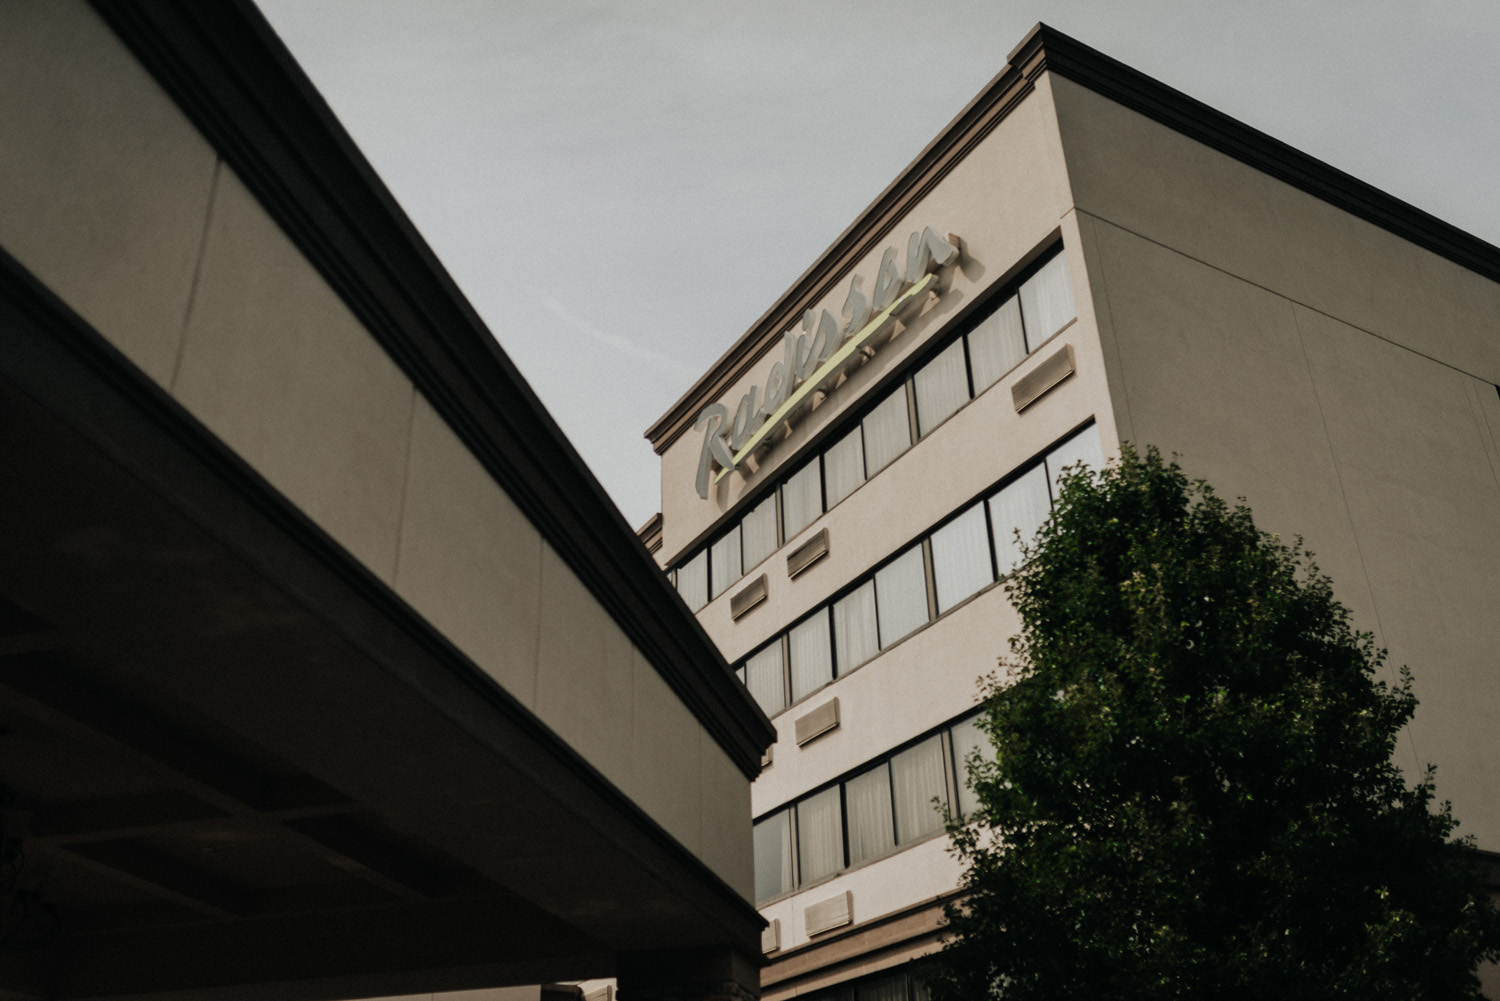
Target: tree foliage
x: 1192, y: 791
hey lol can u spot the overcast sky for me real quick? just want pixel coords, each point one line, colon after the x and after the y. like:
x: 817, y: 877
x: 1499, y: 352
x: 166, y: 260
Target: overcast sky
x: 621, y: 189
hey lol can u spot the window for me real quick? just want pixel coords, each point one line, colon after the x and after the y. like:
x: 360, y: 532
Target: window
x: 820, y: 835
x: 766, y: 679
x: 724, y: 562
x: 854, y: 632
x: 801, y: 500
x: 887, y: 432
x: 917, y: 778
x: 872, y: 826
x: 844, y: 466
x: 961, y: 558
x: 692, y: 581
x: 967, y: 738
x: 942, y: 386
x: 1082, y: 447
x: 812, y: 655
x: 758, y: 532
x: 901, y: 596
x: 1020, y: 507
x: 1047, y: 301
x: 997, y: 345
x: 773, y: 856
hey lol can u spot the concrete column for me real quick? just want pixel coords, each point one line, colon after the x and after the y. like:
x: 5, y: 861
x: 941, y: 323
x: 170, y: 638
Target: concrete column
x: 706, y: 974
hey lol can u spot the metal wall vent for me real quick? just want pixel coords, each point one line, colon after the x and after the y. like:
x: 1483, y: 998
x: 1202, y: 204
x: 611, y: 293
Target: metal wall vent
x: 748, y: 597
x: 818, y: 721
x: 807, y: 554
x: 826, y: 915
x: 770, y: 936
x: 1034, y: 385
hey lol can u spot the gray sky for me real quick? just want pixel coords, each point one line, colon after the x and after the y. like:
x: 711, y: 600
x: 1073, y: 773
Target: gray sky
x: 621, y: 189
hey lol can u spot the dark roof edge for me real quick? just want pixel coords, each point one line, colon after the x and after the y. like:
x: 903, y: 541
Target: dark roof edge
x: 231, y: 75
x: 1043, y: 49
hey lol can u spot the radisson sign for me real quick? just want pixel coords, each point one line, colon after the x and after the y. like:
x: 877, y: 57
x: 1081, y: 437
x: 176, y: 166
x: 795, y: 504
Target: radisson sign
x: 815, y: 358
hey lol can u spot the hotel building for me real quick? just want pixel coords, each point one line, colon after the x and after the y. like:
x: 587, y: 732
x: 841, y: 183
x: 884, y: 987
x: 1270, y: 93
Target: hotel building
x: 1083, y: 257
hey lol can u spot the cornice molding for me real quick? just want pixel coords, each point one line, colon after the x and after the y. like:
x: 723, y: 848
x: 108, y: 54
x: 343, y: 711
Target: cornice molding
x: 230, y: 74
x: 1045, y: 49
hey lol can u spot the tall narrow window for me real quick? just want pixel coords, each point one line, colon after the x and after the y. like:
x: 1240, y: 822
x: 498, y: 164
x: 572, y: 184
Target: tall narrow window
x: 801, y: 500
x: 997, y: 345
x: 812, y: 658
x: 820, y: 835
x: 872, y: 828
x: 764, y: 678
x: 942, y: 387
x: 967, y: 739
x: 961, y: 558
x: 773, y: 855
x: 887, y: 432
x: 692, y: 581
x: 901, y: 596
x: 1082, y: 447
x: 888, y: 988
x: 724, y: 562
x: 1047, y: 301
x: 844, y: 466
x: 1019, y: 508
x: 854, y: 632
x: 758, y: 532
x: 916, y: 779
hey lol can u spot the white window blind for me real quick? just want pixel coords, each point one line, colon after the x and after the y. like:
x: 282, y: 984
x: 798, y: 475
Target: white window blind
x: 764, y: 679
x: 812, y: 657
x: 901, y: 596
x: 872, y: 828
x: 1082, y: 447
x: 887, y: 432
x: 724, y: 562
x: 844, y: 466
x: 758, y: 532
x: 997, y: 345
x: 1022, y: 506
x: 942, y: 387
x: 1047, y: 301
x: 692, y: 581
x: 917, y: 777
x: 968, y: 738
x: 854, y: 632
x: 773, y: 856
x: 801, y: 500
x: 961, y: 558
x: 820, y: 835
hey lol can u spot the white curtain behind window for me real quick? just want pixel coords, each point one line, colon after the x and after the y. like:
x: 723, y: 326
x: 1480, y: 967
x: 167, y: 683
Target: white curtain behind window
x: 844, y: 466
x: 901, y: 596
x: 968, y: 738
x: 692, y: 581
x: 942, y: 387
x: 916, y: 777
x: 887, y: 432
x: 961, y: 558
x: 888, y: 988
x: 1023, y: 505
x: 773, y: 856
x: 1082, y: 447
x: 854, y: 632
x: 997, y: 345
x: 820, y: 835
x: 1047, y: 301
x: 812, y: 657
x: 801, y: 500
x: 724, y: 562
x: 758, y: 532
x: 764, y: 678
x: 872, y: 829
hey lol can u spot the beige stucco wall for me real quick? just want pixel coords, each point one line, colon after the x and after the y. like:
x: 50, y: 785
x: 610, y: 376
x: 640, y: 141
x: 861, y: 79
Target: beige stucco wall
x: 115, y: 202
x: 1338, y: 377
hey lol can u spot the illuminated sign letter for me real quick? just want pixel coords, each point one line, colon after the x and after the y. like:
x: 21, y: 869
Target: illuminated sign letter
x: 713, y: 417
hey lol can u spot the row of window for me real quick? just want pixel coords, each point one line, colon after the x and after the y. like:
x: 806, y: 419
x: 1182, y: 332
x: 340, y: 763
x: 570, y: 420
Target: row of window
x: 900, y: 985
x: 971, y: 364
x: 887, y: 805
x: 965, y: 554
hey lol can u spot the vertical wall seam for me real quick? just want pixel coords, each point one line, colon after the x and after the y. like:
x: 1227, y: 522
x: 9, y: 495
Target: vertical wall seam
x: 1338, y: 476
x: 1114, y: 341
x: 192, y: 300
x: 1487, y: 437
x: 411, y: 434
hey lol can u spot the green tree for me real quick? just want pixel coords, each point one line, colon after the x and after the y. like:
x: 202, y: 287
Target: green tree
x: 1191, y: 793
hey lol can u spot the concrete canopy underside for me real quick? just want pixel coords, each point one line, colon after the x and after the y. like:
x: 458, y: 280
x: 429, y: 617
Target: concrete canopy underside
x: 245, y: 768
